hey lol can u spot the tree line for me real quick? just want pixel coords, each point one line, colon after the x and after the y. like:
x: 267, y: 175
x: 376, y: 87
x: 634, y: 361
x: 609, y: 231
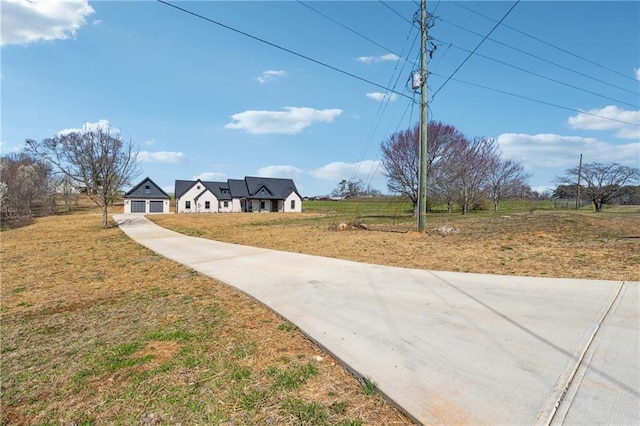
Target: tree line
x: 468, y: 172
x: 96, y: 161
x: 460, y: 170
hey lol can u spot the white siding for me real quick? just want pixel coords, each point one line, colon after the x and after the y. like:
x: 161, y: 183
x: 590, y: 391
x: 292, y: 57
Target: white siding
x: 190, y: 196
x: 223, y: 209
x: 129, y: 201
x: 297, y: 201
x: 235, y: 205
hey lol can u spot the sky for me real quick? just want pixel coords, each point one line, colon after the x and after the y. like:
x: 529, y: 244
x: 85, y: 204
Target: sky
x: 309, y: 90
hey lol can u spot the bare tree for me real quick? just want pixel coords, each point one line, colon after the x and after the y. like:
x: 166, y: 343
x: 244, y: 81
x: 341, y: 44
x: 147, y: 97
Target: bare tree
x: 602, y: 181
x: 98, y: 158
x: 471, y: 167
x: 401, y: 156
x: 506, y: 179
x: 28, y: 185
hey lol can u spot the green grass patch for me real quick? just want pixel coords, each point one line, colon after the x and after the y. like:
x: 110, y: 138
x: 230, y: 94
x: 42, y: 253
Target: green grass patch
x: 295, y: 375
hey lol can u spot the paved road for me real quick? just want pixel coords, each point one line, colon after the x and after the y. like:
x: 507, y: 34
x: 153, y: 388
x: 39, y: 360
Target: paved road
x: 448, y: 348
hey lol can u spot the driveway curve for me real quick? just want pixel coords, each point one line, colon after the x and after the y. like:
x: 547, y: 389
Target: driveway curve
x: 446, y: 347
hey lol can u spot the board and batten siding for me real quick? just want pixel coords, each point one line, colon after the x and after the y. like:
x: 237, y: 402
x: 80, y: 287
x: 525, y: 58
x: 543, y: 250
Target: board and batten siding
x: 199, y: 205
x: 297, y: 203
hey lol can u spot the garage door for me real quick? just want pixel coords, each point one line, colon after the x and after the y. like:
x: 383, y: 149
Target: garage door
x: 138, y: 207
x: 155, y: 207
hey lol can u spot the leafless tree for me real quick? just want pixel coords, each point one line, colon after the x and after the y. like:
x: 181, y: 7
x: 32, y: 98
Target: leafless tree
x: 28, y: 186
x: 471, y: 167
x: 600, y: 182
x: 506, y: 179
x: 401, y: 156
x: 98, y: 158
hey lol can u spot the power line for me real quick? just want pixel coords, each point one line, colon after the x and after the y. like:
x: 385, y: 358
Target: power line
x: 543, y: 76
x: 351, y: 30
x: 537, y: 100
x: 396, y: 12
x: 281, y: 48
x: 549, y: 44
x: 536, y: 56
x: 476, y: 48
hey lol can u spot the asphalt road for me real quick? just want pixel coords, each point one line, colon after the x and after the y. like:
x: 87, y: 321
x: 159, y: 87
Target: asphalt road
x: 447, y: 348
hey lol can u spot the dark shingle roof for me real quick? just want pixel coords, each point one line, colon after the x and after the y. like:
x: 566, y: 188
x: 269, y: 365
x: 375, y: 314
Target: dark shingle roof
x: 270, y: 188
x: 249, y: 187
x: 146, y: 189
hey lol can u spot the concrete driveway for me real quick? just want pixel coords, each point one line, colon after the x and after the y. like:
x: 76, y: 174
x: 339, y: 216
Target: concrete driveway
x: 448, y: 348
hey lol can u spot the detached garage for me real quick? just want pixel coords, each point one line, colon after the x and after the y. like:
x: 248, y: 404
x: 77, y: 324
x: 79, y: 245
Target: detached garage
x: 146, y: 197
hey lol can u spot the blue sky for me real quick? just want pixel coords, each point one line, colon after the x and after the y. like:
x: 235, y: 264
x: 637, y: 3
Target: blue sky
x: 200, y: 100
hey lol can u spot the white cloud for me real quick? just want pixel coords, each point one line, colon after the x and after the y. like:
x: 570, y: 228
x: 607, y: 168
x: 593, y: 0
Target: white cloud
x: 389, y: 57
x: 290, y: 121
x: 29, y: 21
x: 636, y: 73
x: 162, y: 156
x: 554, y: 151
x: 366, y: 170
x: 279, y: 171
x: 612, y: 112
x: 91, y: 126
x: 378, y: 96
x: 150, y: 142
x: 211, y: 177
x: 271, y: 75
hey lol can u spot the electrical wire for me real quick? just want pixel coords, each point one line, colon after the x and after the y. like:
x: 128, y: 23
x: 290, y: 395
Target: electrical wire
x: 351, y: 30
x: 541, y: 76
x: 396, y: 12
x: 549, y: 44
x: 300, y: 55
x: 536, y: 56
x: 537, y: 100
x: 476, y: 48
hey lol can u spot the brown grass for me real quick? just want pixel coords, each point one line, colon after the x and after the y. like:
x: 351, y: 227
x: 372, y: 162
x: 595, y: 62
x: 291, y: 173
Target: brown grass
x: 544, y: 244
x: 99, y: 330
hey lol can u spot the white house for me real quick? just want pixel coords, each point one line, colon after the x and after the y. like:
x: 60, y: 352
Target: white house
x: 146, y: 197
x: 251, y: 194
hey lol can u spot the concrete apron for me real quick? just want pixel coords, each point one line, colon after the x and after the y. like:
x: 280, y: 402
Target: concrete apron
x: 447, y: 348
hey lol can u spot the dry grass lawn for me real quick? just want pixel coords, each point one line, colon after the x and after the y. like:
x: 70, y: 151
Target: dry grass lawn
x: 604, y: 246
x: 99, y: 330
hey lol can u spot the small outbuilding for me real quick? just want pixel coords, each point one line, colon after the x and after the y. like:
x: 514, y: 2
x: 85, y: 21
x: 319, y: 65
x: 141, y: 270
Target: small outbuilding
x: 146, y: 197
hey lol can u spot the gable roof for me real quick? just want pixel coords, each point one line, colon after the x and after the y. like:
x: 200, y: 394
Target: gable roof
x: 249, y: 187
x: 219, y: 189
x: 141, y: 190
x: 274, y: 188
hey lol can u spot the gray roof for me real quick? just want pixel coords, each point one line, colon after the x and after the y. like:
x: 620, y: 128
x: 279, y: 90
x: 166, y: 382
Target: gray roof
x: 270, y: 188
x: 147, y: 189
x: 249, y: 187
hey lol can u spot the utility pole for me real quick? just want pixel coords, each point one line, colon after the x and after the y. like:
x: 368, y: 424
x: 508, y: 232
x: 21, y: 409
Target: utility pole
x: 424, y: 151
x: 579, y: 174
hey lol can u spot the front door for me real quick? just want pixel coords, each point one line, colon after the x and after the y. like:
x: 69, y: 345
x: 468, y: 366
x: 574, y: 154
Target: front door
x: 274, y: 205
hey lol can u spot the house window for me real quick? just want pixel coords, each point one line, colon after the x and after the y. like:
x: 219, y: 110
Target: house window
x: 293, y: 204
x: 187, y: 205
x: 225, y: 204
x: 198, y: 187
x: 207, y: 205
x: 147, y: 189
x: 262, y: 205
